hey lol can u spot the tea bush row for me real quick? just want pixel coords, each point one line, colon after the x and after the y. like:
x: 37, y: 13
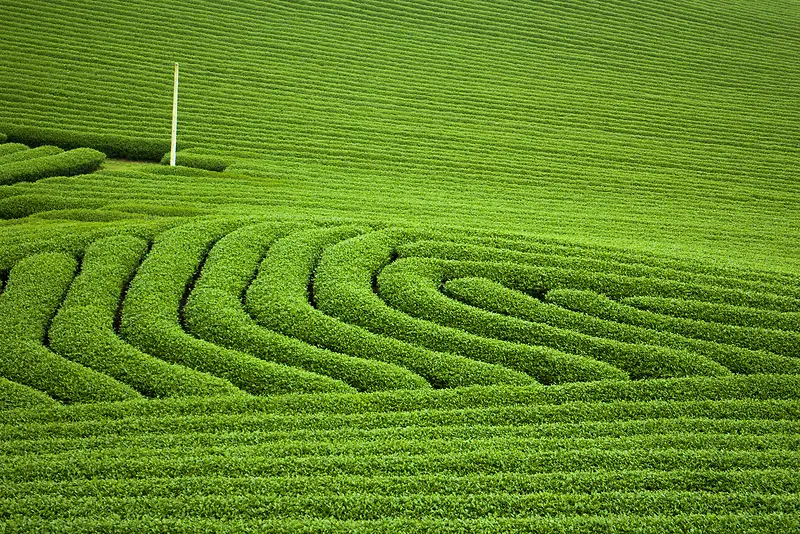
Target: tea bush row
x: 214, y: 312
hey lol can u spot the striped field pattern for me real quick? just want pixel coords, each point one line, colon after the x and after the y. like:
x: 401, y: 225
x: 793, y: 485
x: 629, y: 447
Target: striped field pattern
x: 460, y: 266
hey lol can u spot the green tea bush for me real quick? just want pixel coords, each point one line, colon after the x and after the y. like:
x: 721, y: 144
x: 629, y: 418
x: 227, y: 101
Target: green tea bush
x: 77, y: 161
x: 214, y: 312
x: 187, y: 158
x: 601, y: 278
x: 628, y: 150
x: 36, y: 287
x: 112, y: 145
x: 412, y: 287
x: 777, y: 341
x: 3, y: 137
x: 83, y: 329
x: 19, y: 206
x: 344, y: 290
x: 12, y: 148
x: 278, y: 299
x: 718, y: 313
x: 489, y: 295
x: 13, y: 396
x: 622, y: 523
x: 33, y: 153
x: 152, y: 308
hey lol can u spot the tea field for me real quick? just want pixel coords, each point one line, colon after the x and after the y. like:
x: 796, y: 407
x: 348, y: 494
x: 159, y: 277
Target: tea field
x: 459, y: 266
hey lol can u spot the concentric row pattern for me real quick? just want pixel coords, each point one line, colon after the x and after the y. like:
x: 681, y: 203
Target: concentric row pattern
x: 248, y: 306
x: 606, y: 390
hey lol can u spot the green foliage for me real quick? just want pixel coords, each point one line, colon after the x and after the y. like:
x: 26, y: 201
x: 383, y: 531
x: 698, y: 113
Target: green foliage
x: 278, y: 300
x: 343, y: 285
x: 151, y: 318
x: 413, y: 288
x: 77, y: 161
x: 83, y: 330
x: 188, y: 158
x: 724, y: 314
x: 12, y: 148
x: 489, y: 295
x: 35, y: 289
x: 580, y: 193
x: 112, y: 145
x: 22, y: 155
x: 19, y: 206
x: 214, y: 312
x: 3, y: 137
x: 15, y: 396
x: 777, y: 341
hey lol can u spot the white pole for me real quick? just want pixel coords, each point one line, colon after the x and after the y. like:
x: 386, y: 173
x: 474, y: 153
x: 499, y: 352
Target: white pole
x: 174, y: 144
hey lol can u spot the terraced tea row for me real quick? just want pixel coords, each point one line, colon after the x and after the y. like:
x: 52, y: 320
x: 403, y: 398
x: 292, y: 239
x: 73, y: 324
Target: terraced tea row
x: 247, y: 305
x: 394, y: 198
x: 18, y: 163
x: 722, y: 452
x: 598, y: 121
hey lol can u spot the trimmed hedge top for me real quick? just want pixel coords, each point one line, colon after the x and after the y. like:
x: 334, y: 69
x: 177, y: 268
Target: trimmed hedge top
x: 73, y: 162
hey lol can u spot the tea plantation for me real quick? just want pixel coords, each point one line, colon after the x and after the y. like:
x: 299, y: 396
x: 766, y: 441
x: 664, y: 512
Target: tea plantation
x: 455, y: 266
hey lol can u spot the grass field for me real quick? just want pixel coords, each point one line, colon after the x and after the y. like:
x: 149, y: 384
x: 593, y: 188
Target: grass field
x: 460, y: 266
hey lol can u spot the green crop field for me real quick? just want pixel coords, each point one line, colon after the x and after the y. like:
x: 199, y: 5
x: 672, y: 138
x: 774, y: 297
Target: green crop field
x: 423, y: 266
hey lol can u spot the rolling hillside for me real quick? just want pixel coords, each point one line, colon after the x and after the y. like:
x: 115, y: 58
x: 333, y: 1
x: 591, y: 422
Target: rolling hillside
x: 462, y: 266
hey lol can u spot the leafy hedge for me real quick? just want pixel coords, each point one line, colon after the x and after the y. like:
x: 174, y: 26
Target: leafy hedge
x: 618, y: 523
x: 489, y: 295
x: 77, y: 161
x: 344, y: 289
x: 12, y: 148
x: 33, y: 153
x: 612, y: 279
x: 214, y: 312
x: 412, y: 287
x: 19, y: 206
x: 278, y: 299
x: 14, y: 396
x: 187, y: 158
x: 35, y: 289
x: 777, y: 341
x: 3, y: 137
x: 152, y: 308
x: 113, y: 145
x: 718, y: 313
x: 105, y: 418
x: 83, y: 329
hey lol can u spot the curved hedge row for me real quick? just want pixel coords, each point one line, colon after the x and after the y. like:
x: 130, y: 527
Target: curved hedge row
x: 7, y: 149
x: 151, y: 317
x: 777, y: 341
x: 489, y: 295
x: 36, y: 287
x: 14, y: 395
x: 112, y: 145
x: 77, y: 161
x: 336, y: 307
x: 83, y: 329
x: 214, y: 311
x: 33, y: 153
x: 344, y: 290
x: 413, y: 288
x: 606, y: 277
x: 718, y: 313
x: 279, y: 299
